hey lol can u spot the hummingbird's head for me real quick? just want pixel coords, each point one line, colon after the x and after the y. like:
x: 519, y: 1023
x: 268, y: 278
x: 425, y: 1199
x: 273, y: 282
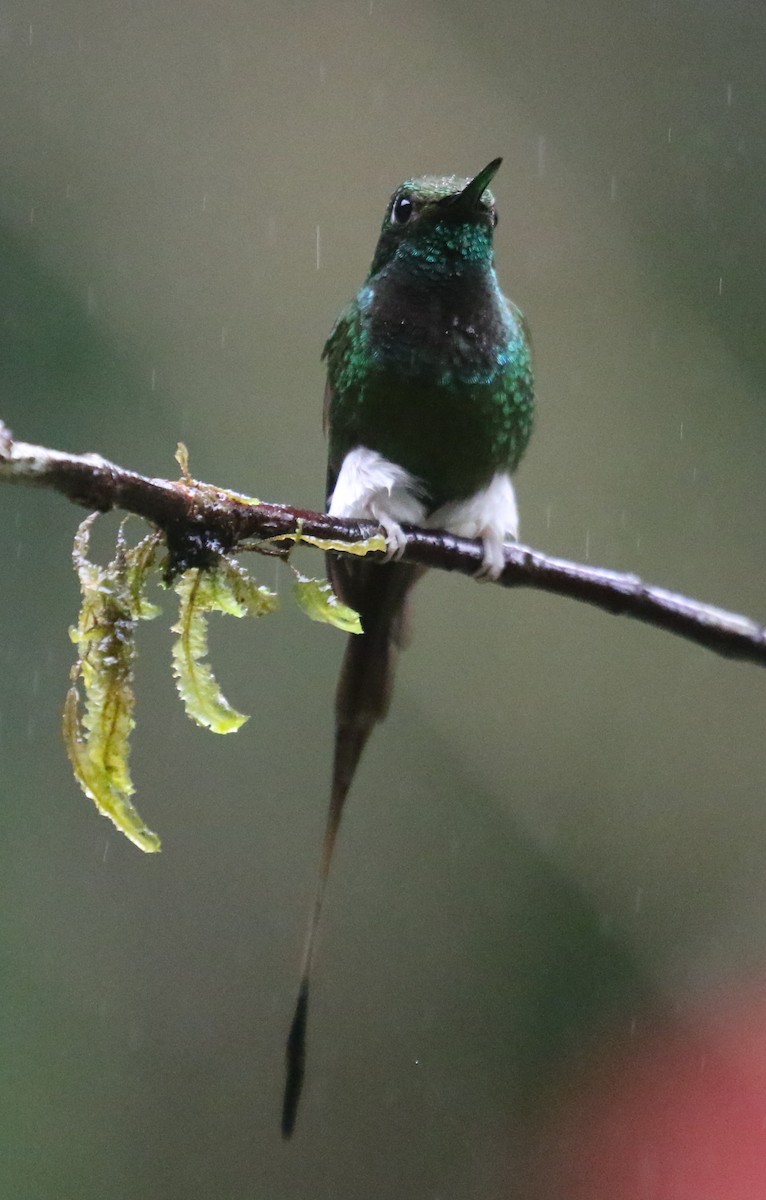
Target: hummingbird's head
x: 439, y: 223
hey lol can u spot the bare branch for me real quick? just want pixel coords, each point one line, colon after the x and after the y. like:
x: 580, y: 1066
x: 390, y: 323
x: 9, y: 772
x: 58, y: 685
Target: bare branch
x: 201, y: 521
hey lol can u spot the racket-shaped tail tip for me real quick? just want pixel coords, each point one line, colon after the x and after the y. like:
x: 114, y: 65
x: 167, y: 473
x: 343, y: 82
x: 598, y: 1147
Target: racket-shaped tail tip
x: 295, y: 1061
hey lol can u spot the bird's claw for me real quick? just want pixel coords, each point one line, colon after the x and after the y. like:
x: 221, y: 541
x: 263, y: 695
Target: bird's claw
x: 492, y: 560
x: 396, y: 538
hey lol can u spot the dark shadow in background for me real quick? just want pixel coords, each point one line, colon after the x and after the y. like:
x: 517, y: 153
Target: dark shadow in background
x: 570, y: 980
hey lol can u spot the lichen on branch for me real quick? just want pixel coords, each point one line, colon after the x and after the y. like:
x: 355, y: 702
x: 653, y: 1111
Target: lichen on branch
x: 98, y: 724
x: 224, y: 589
x: 99, y: 709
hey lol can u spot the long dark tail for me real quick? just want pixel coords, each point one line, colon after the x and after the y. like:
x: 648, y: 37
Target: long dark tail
x: 379, y: 595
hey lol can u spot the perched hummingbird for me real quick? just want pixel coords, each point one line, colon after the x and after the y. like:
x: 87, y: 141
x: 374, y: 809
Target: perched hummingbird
x: 428, y: 406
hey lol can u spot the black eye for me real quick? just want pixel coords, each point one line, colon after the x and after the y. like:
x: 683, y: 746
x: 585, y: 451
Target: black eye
x: 494, y: 218
x: 402, y: 210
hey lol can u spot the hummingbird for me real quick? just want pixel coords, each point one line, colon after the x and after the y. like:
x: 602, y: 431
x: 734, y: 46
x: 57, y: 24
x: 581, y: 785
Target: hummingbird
x: 428, y: 409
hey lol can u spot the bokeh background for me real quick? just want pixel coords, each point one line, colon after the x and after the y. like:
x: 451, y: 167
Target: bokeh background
x: 547, y: 917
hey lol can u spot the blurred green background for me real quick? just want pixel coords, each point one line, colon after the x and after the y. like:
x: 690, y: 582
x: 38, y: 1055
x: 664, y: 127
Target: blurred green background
x: 561, y: 829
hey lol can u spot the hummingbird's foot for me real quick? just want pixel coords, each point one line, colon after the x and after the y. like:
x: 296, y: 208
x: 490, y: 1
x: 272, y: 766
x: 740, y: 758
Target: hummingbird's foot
x: 492, y: 559
x: 490, y: 514
x: 371, y: 488
x: 396, y: 538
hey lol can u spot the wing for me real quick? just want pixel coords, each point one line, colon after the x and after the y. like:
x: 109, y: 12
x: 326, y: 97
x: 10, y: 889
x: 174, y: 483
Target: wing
x: 344, y: 361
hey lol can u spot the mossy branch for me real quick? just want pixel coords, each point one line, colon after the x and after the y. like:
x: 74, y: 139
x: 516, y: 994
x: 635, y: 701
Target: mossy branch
x: 201, y: 521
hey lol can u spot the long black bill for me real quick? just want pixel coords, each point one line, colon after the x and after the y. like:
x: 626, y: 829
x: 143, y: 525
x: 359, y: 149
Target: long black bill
x: 467, y: 201
x: 473, y: 191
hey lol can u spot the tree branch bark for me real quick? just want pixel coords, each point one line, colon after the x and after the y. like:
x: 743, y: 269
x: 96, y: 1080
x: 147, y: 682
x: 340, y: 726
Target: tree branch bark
x: 201, y: 521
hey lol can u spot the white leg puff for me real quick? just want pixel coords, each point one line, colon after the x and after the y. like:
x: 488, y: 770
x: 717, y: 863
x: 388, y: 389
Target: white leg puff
x: 369, y: 487
x: 490, y: 514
